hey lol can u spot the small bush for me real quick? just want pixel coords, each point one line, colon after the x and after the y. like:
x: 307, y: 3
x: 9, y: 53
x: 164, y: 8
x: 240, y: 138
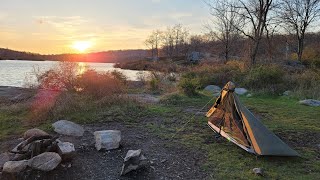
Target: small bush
x: 189, y: 83
x: 305, y: 84
x: 62, y: 77
x: 100, y: 84
x: 266, y: 78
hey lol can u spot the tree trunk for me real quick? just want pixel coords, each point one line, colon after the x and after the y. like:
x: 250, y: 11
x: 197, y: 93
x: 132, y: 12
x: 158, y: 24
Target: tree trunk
x: 152, y: 52
x: 254, y: 52
x: 226, y: 53
x: 300, y: 49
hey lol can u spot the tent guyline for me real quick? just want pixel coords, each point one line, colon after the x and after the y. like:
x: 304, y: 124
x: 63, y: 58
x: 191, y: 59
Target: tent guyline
x: 192, y: 118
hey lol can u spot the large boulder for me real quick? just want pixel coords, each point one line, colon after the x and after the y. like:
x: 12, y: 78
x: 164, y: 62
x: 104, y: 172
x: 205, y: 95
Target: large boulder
x: 215, y: 90
x: 240, y: 91
x: 133, y: 161
x: 15, y: 166
x: 310, y: 102
x: 34, y: 132
x: 108, y: 139
x: 47, y: 161
x: 66, y: 150
x: 68, y: 128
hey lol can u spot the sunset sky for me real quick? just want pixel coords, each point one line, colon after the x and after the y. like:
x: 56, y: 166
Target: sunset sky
x: 55, y: 26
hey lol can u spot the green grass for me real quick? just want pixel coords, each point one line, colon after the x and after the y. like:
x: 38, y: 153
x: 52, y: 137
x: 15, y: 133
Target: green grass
x: 224, y: 160
x: 285, y: 113
x: 11, y: 120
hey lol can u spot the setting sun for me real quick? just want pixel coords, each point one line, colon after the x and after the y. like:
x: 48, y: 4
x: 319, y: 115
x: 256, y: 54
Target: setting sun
x: 81, y: 46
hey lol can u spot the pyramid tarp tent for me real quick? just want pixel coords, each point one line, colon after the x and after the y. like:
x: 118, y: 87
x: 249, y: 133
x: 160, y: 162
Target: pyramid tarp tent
x: 230, y: 118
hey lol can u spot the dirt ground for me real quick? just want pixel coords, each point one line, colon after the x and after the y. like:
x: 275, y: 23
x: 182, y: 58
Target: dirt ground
x: 164, y: 162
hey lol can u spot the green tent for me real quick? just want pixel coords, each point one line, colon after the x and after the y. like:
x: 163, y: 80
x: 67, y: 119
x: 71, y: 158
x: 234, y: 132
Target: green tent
x: 232, y: 120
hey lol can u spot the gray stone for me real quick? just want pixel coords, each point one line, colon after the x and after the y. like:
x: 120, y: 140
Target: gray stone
x: 133, y: 161
x: 213, y: 89
x: 240, y: 91
x: 15, y: 166
x: 249, y: 95
x: 66, y: 150
x: 287, y: 93
x: 310, y: 102
x: 34, y: 132
x: 5, y: 157
x: 108, y: 139
x: 47, y: 161
x: 258, y: 171
x: 68, y: 128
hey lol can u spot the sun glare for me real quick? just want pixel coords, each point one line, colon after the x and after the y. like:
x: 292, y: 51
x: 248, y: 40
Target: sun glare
x: 81, y: 46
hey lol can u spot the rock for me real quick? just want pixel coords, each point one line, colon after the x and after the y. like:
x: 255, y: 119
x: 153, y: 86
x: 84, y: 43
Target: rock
x: 287, y: 93
x: 46, y: 161
x: 258, y: 171
x: 34, y: 132
x: 66, y: 150
x: 133, y: 161
x: 310, y: 102
x: 68, y: 128
x: 213, y: 89
x: 15, y: 166
x: 240, y: 91
x: 109, y: 139
x: 249, y: 95
x: 5, y: 157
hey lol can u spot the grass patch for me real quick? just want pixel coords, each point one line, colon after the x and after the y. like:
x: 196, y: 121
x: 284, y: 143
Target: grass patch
x: 224, y: 160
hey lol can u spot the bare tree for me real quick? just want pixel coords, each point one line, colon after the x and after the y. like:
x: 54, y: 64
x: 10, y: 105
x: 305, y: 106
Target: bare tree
x: 153, y: 42
x: 175, y: 40
x: 225, y: 17
x: 254, y: 14
x: 180, y: 37
x: 168, y: 42
x: 297, y: 15
x: 197, y: 43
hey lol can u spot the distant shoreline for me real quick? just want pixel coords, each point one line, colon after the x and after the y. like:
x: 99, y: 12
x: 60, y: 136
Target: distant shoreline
x: 56, y: 61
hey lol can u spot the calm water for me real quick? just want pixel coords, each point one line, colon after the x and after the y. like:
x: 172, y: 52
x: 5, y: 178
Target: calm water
x: 21, y: 73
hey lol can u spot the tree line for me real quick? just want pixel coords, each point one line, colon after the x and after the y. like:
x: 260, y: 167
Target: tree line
x: 250, y: 29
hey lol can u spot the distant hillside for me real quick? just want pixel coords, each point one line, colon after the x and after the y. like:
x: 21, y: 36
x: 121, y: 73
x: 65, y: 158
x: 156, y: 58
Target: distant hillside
x: 18, y: 55
x: 106, y: 56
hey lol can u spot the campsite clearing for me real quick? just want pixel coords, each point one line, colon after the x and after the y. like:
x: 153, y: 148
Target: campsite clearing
x: 296, y: 124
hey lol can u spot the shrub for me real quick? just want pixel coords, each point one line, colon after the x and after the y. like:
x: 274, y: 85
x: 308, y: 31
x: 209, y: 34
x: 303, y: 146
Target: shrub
x: 100, y: 84
x: 266, y: 78
x: 189, y: 83
x: 62, y: 77
x: 160, y: 82
x: 67, y: 77
x: 217, y: 74
x: 305, y: 84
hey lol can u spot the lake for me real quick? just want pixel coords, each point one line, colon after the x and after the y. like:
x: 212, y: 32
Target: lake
x: 20, y: 73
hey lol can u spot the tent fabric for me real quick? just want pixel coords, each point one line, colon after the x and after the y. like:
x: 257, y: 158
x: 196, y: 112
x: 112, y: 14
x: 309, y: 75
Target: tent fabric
x: 234, y: 121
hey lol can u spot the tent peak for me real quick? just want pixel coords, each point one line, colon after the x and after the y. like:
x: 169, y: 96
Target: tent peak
x: 230, y: 86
